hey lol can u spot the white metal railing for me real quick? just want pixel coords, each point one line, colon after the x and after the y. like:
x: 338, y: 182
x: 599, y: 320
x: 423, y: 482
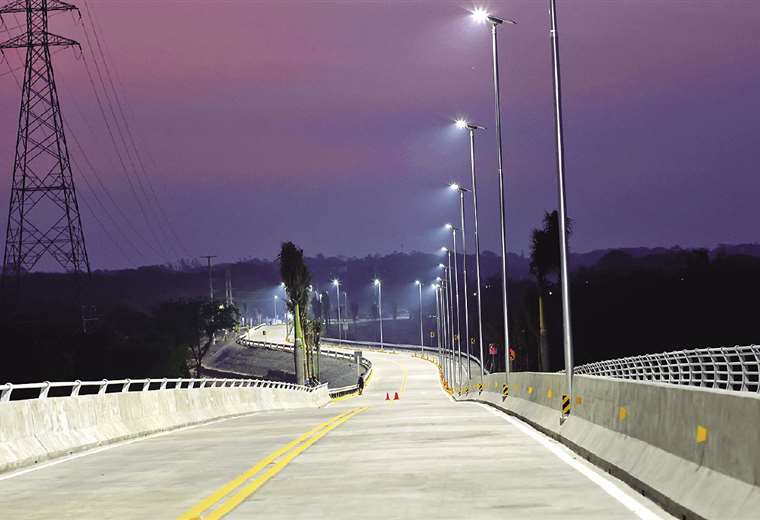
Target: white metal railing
x: 728, y: 368
x: 397, y: 346
x: 145, y: 385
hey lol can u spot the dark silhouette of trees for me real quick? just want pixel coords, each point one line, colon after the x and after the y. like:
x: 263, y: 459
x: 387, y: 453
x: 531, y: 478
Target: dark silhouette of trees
x: 297, y: 279
x: 545, y: 261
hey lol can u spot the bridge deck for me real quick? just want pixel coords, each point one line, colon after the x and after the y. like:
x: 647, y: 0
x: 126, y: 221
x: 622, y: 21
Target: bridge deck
x: 422, y: 456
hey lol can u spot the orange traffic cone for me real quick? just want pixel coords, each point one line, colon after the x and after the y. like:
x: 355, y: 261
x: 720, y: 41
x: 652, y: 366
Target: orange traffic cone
x: 395, y: 396
x: 387, y: 397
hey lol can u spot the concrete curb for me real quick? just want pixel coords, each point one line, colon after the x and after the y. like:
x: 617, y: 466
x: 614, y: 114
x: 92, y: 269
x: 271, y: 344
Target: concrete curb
x: 650, y: 436
x: 36, y: 430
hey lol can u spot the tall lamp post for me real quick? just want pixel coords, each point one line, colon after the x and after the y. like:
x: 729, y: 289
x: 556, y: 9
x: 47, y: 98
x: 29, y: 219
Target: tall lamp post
x: 472, y: 128
x: 436, y: 288
x: 462, y: 191
x: 275, y: 307
x: 482, y: 16
x: 445, y: 321
x: 379, y: 286
x: 422, y: 335
x: 564, y: 279
x: 450, y: 311
x: 453, y: 230
x: 336, y: 283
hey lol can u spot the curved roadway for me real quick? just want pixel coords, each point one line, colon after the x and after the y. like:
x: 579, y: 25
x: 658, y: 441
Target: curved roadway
x: 423, y: 456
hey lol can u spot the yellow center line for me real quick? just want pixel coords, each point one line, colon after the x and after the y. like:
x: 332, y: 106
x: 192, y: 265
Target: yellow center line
x: 236, y: 499
x: 219, y: 494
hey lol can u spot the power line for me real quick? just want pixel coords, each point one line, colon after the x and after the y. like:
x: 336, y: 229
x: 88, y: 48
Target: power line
x: 119, y: 156
x: 162, y: 214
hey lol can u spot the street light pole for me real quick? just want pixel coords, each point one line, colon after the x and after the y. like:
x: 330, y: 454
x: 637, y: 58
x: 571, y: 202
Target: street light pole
x: 481, y: 15
x: 436, y: 287
x: 275, y: 307
x: 456, y: 296
x: 450, y: 307
x: 379, y: 285
x: 564, y: 278
x: 336, y: 283
x: 472, y: 128
x: 422, y: 335
x: 464, y: 276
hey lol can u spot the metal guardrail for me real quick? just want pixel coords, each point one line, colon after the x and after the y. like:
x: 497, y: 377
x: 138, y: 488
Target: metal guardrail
x: 124, y: 385
x: 334, y: 392
x: 729, y: 368
x: 397, y: 346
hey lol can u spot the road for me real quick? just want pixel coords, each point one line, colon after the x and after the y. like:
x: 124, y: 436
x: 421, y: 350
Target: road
x: 422, y: 456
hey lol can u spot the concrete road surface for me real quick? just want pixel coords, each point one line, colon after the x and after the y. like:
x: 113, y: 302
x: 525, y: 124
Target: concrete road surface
x: 423, y: 456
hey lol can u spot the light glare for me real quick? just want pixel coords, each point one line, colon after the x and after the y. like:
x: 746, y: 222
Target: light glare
x: 461, y: 123
x: 480, y: 15
x: 454, y: 186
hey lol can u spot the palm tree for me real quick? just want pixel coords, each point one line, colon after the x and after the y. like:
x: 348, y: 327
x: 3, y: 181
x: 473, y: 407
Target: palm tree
x: 297, y: 279
x: 544, y: 260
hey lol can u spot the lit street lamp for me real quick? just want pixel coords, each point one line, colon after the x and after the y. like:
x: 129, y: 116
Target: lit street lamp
x: 462, y: 191
x: 568, y: 334
x: 472, y: 128
x: 456, y: 294
x: 379, y: 286
x: 436, y: 287
x: 336, y: 283
x: 481, y: 16
x: 422, y: 335
x: 450, y: 311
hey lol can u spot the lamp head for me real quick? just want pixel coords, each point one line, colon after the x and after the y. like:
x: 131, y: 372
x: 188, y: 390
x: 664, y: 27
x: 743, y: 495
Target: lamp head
x: 417, y: 282
x: 441, y: 266
x: 444, y: 249
x: 336, y: 283
x: 377, y: 282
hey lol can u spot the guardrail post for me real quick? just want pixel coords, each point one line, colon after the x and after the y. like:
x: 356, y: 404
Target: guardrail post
x: 5, y: 395
x: 76, y: 387
x: 44, y: 390
x: 103, y: 387
x: 163, y: 384
x: 125, y: 386
x: 146, y: 385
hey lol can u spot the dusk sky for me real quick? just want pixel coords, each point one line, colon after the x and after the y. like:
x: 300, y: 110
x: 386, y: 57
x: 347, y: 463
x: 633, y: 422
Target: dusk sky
x: 330, y: 123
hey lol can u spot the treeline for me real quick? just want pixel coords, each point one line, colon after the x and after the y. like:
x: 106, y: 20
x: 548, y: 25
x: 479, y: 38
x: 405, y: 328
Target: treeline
x: 625, y: 305
x: 54, y: 344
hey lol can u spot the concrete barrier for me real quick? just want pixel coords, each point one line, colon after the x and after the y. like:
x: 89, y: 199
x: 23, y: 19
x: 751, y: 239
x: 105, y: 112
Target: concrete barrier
x: 35, y: 430
x: 695, y: 451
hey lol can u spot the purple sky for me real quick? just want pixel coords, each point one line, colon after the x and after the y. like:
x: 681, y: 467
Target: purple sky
x: 329, y: 123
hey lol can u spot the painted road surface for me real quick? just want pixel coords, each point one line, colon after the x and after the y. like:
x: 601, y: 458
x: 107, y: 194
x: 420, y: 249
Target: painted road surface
x: 423, y: 456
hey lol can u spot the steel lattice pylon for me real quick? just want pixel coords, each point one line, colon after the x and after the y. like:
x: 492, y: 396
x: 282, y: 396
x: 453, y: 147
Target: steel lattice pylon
x: 43, y: 215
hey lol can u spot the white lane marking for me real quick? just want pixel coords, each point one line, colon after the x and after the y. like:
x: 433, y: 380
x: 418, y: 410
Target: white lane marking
x: 607, y: 486
x: 67, y: 458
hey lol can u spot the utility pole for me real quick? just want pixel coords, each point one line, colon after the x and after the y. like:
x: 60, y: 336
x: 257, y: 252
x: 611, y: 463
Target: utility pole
x: 210, y: 278
x: 43, y: 214
x: 228, y: 287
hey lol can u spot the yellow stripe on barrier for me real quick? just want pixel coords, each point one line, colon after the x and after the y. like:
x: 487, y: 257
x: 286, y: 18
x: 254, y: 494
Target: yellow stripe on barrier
x: 702, y: 434
x: 565, y: 404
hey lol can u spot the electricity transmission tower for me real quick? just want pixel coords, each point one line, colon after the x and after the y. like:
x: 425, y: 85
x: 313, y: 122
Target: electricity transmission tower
x: 43, y: 215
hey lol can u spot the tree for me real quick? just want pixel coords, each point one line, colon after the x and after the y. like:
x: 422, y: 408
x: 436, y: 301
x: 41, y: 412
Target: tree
x: 195, y: 323
x: 545, y: 260
x: 297, y: 280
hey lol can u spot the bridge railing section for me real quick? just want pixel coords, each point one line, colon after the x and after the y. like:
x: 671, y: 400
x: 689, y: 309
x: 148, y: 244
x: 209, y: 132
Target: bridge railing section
x: 334, y: 392
x: 728, y: 368
x: 73, y: 388
x: 397, y: 346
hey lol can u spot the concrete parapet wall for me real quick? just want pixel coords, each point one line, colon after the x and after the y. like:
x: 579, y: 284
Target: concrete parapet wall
x: 39, y: 429
x: 694, y: 450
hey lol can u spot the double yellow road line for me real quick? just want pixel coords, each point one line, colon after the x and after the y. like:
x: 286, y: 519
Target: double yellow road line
x: 246, y: 484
